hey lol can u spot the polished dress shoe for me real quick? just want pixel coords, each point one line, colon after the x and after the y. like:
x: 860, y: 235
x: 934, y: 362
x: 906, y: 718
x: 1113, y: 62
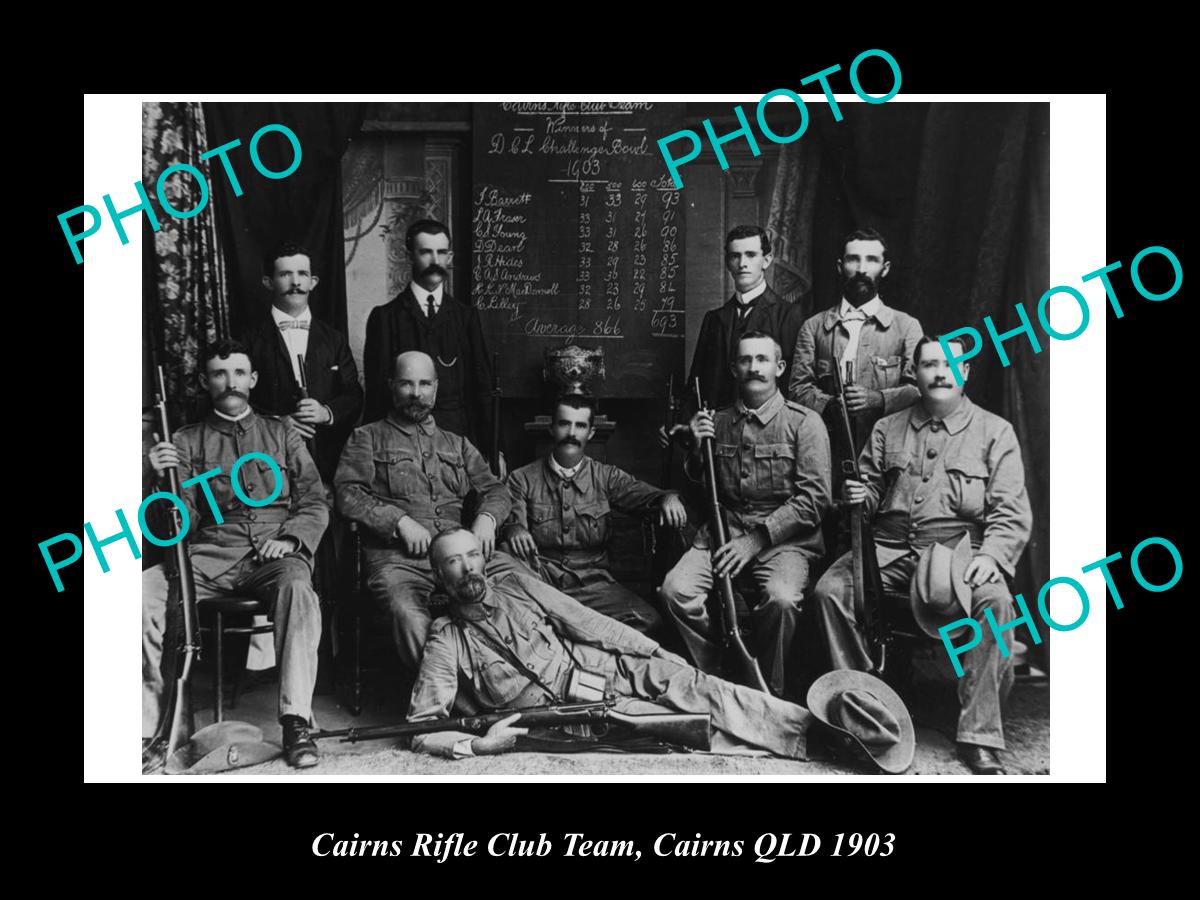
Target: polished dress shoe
x: 298, y: 746
x: 980, y: 760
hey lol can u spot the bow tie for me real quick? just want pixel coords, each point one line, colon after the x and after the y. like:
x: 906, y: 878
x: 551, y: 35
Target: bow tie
x: 283, y: 326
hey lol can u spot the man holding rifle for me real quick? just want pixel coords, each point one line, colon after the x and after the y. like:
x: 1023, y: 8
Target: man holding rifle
x: 511, y: 641
x: 265, y: 551
x: 772, y: 466
x: 945, y: 485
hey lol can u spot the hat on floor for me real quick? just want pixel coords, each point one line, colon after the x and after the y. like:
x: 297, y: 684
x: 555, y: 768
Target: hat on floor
x: 868, y: 711
x: 939, y: 593
x: 220, y: 747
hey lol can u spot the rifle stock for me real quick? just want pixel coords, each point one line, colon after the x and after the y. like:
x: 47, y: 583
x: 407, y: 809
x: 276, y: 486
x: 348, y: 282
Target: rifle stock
x: 682, y: 729
x: 740, y: 665
x: 865, y: 578
x: 175, y: 723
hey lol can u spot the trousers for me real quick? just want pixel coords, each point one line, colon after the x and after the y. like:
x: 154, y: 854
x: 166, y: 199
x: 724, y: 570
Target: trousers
x: 781, y: 579
x: 402, y: 585
x: 285, y: 586
x: 596, y: 589
x: 987, y: 677
x: 744, y: 713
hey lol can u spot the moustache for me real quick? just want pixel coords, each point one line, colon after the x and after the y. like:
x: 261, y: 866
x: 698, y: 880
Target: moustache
x: 940, y: 384
x: 569, y: 440
x: 434, y: 269
x: 753, y: 376
x: 232, y: 392
x: 470, y: 587
x: 296, y: 290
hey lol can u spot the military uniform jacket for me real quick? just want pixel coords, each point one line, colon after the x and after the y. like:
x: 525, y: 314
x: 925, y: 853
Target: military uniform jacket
x: 395, y: 468
x: 884, y: 362
x: 453, y: 338
x: 542, y: 627
x: 299, y: 510
x: 715, y: 345
x: 772, y: 470
x: 570, y: 520
x: 332, y: 380
x: 932, y: 480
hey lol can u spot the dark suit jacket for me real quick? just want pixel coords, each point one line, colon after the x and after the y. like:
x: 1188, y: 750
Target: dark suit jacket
x: 714, y: 352
x: 332, y: 380
x: 454, y: 338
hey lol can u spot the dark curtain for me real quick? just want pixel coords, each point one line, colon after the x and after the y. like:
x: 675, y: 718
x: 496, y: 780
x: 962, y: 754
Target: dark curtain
x: 305, y: 207
x: 961, y: 191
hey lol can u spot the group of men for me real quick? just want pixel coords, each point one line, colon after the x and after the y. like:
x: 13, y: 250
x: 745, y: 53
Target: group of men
x: 506, y: 608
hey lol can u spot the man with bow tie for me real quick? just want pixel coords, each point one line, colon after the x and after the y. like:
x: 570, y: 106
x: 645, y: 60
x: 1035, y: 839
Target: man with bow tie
x: 861, y: 329
x: 560, y: 522
x: 328, y: 410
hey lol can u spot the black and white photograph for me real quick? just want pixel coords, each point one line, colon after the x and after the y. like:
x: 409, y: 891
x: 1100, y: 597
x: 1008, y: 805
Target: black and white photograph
x: 509, y: 442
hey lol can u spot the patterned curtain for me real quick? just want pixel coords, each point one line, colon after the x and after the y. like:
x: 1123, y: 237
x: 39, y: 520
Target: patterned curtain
x: 790, y: 222
x: 185, y: 299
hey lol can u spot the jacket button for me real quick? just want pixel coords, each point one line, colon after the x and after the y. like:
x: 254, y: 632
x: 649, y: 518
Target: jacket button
x: 745, y: 473
x: 426, y: 454
x: 926, y: 478
x: 508, y: 640
x: 931, y: 453
x: 252, y: 516
x: 919, y: 498
x: 249, y: 489
x: 912, y: 536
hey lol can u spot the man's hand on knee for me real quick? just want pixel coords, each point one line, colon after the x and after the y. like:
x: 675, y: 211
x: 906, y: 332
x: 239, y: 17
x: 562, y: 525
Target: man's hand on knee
x: 278, y: 549
x: 414, y: 535
x: 982, y: 570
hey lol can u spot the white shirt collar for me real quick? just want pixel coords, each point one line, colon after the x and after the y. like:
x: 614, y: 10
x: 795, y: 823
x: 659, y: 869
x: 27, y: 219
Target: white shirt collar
x: 280, y: 316
x: 421, y: 294
x: 245, y: 412
x: 870, y: 308
x: 565, y: 473
x: 751, y: 294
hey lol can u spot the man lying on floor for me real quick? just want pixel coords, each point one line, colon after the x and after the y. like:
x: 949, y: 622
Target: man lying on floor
x: 511, y: 642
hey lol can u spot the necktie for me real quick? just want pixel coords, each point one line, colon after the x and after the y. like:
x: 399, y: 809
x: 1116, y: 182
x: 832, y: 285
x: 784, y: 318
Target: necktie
x: 283, y: 326
x: 744, y: 308
x: 429, y: 307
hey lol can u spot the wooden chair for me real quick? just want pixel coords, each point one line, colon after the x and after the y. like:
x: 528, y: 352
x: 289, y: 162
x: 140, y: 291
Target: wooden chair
x: 214, y: 615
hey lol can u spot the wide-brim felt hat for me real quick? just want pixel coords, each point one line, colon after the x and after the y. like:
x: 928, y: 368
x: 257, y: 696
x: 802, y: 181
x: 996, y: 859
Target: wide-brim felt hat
x: 940, y: 594
x: 220, y: 747
x: 867, y: 710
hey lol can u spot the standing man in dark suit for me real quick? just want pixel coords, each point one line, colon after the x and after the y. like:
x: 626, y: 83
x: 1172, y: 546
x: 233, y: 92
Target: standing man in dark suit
x: 327, y: 413
x: 753, y: 307
x: 426, y: 318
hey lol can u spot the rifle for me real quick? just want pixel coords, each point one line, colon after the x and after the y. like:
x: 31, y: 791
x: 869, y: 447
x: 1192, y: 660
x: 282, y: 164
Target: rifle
x: 668, y: 453
x: 868, y: 587
x: 682, y: 729
x: 741, y: 666
x: 494, y: 458
x: 310, y: 443
x: 177, y: 714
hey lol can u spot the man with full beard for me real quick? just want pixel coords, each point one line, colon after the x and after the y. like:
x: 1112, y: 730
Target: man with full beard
x: 425, y: 317
x: 404, y: 479
x: 562, y: 507
x: 861, y: 329
x: 513, y: 642
x: 772, y: 466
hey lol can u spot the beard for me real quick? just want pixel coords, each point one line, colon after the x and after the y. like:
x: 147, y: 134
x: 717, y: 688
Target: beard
x: 469, y: 589
x: 859, y: 288
x: 416, y: 410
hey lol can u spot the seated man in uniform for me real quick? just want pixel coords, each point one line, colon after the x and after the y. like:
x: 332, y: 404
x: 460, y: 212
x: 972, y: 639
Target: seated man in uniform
x: 265, y: 551
x: 403, y: 479
x: 772, y: 464
x: 548, y: 633
x: 560, y: 523
x: 933, y: 473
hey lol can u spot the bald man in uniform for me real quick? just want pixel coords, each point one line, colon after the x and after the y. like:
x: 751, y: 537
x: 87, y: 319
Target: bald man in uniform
x: 404, y: 479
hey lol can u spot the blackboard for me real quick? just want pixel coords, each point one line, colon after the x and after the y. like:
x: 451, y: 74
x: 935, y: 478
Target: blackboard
x: 578, y: 237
